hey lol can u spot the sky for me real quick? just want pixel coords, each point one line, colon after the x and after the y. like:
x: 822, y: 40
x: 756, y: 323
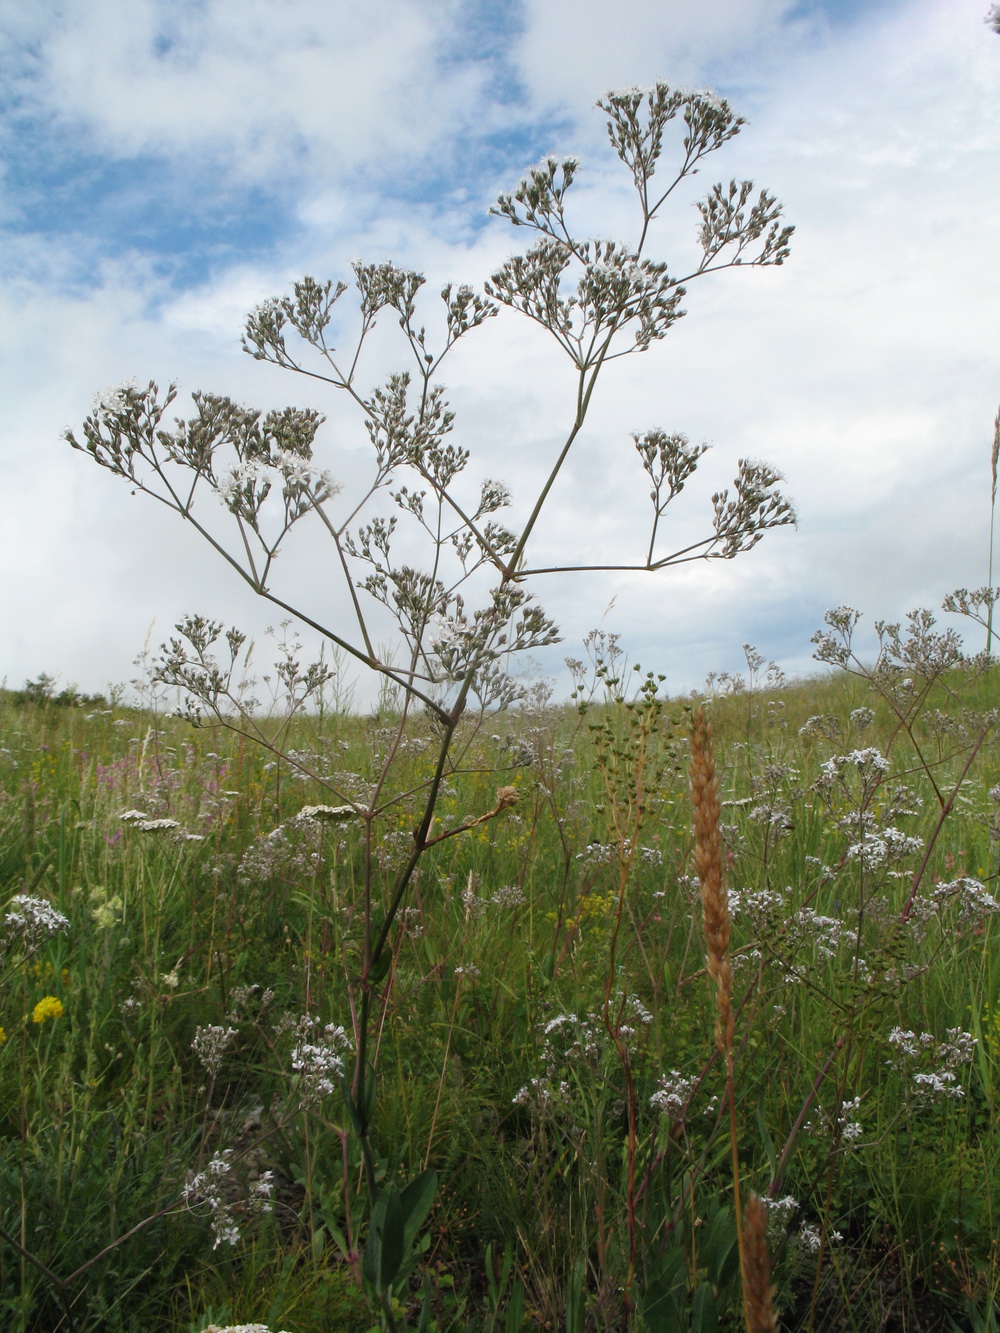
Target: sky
x: 166, y: 165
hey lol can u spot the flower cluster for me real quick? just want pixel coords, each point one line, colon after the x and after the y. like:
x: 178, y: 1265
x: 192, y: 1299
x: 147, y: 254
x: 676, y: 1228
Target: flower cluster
x: 289, y: 850
x: 28, y: 923
x: 210, y: 1045
x: 107, y: 912
x: 141, y: 822
x: 882, y: 847
x: 930, y: 1063
x: 610, y: 853
x: 332, y: 814
x: 971, y: 898
x: 807, y: 1237
x: 507, y: 896
x: 47, y: 1007
x: 569, y: 1043
x: 318, y: 1058
x: 215, y: 1189
x: 674, y: 1094
x: 841, y: 1128
x: 238, y: 1328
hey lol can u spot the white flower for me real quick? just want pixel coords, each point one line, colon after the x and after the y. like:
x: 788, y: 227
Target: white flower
x: 870, y: 760
x: 237, y: 1328
x: 940, y: 1083
x: 210, y: 1045
x: 114, y: 401
x: 327, y: 813
x: 318, y: 1059
x: 809, y: 1237
x: 29, y: 922
x: 137, y: 819
x: 673, y: 1094
x: 779, y: 1214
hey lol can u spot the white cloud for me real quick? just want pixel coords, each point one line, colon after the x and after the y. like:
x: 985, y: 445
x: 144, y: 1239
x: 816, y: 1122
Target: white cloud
x: 573, y: 50
x: 268, y: 89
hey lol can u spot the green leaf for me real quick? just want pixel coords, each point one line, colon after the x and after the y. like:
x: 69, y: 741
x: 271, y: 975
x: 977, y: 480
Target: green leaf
x: 515, y: 1309
x: 383, y: 1254
x: 575, y: 1298
x: 379, y: 969
x: 719, y: 1249
x: 766, y: 1140
x: 369, y: 1093
x: 659, y: 1307
x: 352, y: 1113
x: 424, y: 1322
x: 415, y: 1202
x: 704, y: 1315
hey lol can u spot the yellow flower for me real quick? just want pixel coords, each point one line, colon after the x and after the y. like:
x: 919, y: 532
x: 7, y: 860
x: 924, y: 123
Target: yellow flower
x: 3, y: 1036
x: 47, y: 1007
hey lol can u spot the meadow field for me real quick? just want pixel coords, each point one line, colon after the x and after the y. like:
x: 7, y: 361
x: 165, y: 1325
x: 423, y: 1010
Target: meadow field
x: 181, y: 957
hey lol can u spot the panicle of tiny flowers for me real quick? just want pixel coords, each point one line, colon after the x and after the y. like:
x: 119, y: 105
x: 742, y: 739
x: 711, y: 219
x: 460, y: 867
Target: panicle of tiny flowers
x: 508, y: 895
x: 868, y: 760
x: 779, y: 1215
x: 757, y: 1288
x: 141, y: 822
x: 28, y: 922
x: 238, y: 1328
x: 810, y: 1238
x: 841, y: 1128
x: 937, y: 1079
x: 244, y: 998
x: 333, y: 814
x: 116, y: 400
x: 318, y: 1059
x: 673, y: 1095
x: 213, y: 1188
x: 709, y: 866
x: 569, y: 1044
x: 970, y: 896
x: 883, y: 846
x: 210, y: 1045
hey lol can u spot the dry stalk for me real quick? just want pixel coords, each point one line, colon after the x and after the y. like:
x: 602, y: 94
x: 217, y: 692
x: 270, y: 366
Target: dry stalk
x: 710, y: 869
x: 709, y: 864
x: 758, y: 1292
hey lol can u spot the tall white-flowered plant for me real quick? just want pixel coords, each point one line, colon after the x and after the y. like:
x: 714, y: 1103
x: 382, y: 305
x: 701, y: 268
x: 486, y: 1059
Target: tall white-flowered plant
x: 464, y: 608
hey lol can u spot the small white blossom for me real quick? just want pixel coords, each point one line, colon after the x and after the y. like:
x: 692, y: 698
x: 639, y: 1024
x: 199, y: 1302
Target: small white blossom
x: 865, y: 761
x: 210, y: 1045
x: 318, y: 1058
x: 114, y: 401
x: 333, y: 814
x: 779, y: 1214
x: 673, y: 1094
x: 206, y: 1189
x: 28, y: 922
x: 238, y: 1328
x: 809, y: 1237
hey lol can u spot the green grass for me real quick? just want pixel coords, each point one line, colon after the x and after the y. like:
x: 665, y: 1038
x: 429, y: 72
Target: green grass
x: 544, y: 913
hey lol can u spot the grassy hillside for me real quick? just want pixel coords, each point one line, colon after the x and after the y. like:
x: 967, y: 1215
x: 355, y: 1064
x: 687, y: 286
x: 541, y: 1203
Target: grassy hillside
x: 174, y: 1146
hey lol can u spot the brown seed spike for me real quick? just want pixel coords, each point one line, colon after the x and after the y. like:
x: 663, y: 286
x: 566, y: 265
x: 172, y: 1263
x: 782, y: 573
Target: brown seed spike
x: 758, y: 1292
x: 709, y: 867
